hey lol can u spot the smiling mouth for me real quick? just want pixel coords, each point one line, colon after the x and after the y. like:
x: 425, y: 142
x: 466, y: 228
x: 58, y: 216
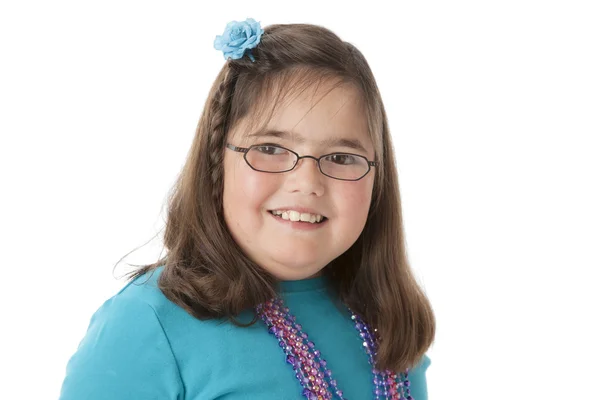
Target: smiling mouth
x: 296, y: 216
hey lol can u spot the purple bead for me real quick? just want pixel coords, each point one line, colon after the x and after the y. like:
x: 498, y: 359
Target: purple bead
x: 291, y: 359
x: 317, y: 353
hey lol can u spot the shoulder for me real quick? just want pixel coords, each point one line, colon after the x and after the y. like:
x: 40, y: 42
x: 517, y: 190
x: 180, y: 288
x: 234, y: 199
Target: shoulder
x: 424, y: 363
x: 143, y: 289
x: 125, y: 351
x: 418, y: 379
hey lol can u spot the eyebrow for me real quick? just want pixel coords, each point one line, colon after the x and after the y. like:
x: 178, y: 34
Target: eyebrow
x: 329, y: 142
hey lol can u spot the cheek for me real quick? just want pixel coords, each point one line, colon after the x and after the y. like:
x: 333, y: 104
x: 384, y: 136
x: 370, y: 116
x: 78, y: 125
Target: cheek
x: 245, y: 188
x: 354, y: 199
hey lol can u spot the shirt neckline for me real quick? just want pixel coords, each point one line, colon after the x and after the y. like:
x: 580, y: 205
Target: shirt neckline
x: 303, y: 285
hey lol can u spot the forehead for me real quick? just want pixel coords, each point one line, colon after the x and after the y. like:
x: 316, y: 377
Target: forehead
x: 321, y: 112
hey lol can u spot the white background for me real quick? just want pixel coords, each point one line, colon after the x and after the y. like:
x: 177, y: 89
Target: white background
x: 494, y: 108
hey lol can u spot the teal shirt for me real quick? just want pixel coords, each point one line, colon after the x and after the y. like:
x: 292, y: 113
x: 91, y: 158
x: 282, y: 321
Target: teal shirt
x: 140, y: 345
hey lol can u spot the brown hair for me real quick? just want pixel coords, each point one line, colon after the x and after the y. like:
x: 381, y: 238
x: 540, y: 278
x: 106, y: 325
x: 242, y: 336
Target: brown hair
x: 206, y: 272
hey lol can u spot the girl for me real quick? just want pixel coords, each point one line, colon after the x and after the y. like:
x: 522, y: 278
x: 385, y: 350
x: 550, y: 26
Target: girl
x: 286, y: 275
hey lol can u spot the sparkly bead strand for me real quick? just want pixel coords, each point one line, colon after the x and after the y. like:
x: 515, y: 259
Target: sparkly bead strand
x: 370, y: 349
x: 276, y: 327
x: 321, y: 365
x: 311, y: 370
x: 389, y: 383
x: 306, y: 363
x: 315, y: 361
x: 292, y: 348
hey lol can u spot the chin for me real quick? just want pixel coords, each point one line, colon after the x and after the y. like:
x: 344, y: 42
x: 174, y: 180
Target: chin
x: 294, y: 270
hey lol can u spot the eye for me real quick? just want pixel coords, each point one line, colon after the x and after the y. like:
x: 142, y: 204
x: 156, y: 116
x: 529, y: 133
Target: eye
x: 270, y: 150
x: 342, y: 159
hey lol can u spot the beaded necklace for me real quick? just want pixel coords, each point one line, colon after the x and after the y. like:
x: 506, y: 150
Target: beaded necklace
x: 311, y: 369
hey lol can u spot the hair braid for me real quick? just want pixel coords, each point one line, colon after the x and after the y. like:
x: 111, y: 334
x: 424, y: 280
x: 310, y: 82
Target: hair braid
x: 217, y: 133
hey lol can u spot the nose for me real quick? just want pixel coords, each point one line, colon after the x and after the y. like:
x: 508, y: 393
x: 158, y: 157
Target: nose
x: 306, y: 178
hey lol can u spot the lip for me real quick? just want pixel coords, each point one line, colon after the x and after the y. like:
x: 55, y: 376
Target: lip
x: 298, y: 209
x: 299, y: 225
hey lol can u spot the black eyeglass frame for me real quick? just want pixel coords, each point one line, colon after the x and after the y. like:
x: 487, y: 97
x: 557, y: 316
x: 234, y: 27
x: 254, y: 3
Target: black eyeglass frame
x: 245, y: 150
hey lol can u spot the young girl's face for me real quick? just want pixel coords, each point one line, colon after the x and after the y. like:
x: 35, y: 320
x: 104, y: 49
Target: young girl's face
x: 297, y: 250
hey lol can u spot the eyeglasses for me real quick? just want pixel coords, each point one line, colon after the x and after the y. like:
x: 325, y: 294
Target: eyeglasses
x: 276, y: 159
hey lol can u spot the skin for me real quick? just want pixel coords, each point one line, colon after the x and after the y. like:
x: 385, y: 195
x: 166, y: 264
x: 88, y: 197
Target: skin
x: 286, y: 252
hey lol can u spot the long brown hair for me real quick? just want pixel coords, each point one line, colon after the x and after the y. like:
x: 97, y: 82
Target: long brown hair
x: 206, y: 272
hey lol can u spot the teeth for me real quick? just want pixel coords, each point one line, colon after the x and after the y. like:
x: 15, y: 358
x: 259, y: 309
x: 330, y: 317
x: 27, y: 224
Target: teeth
x: 292, y: 215
x: 305, y: 217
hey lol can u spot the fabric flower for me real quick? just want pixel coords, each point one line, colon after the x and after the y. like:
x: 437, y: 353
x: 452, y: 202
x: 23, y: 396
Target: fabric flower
x: 238, y: 38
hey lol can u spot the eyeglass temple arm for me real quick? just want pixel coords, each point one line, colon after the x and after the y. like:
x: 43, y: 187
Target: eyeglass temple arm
x: 238, y: 149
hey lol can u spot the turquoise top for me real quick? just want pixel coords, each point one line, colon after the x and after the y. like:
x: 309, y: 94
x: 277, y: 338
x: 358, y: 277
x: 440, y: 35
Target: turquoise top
x: 140, y: 345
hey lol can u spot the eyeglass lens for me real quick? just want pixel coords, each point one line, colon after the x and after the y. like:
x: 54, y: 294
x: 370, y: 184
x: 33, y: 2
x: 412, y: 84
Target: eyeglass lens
x: 277, y: 159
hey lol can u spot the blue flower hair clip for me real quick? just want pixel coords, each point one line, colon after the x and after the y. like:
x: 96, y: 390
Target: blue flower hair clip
x: 239, y: 38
